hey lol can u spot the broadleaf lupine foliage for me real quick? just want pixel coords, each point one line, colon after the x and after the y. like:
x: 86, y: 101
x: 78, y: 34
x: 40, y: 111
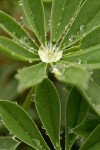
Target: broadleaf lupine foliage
x: 71, y: 55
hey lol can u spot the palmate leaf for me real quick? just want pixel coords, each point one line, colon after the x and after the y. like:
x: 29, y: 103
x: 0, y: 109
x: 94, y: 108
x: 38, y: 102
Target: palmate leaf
x: 21, y: 125
x: 76, y: 111
x: 62, y: 12
x: 48, y: 107
x: 16, y: 51
x: 34, y: 12
x: 87, y: 18
x: 31, y: 76
x: 8, y: 143
x: 15, y: 30
x: 93, y: 141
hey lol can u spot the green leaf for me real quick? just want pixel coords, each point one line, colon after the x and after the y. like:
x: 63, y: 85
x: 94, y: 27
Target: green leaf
x: 93, y: 141
x: 47, y: 10
x: 8, y: 143
x: 31, y: 76
x: 8, y: 84
x: 24, y: 147
x: 96, y: 76
x: 16, y: 51
x: 73, y: 74
x: 92, y: 95
x: 36, y: 20
x: 62, y: 13
x: 15, y: 30
x: 86, y: 56
x: 75, y: 114
x: 48, y: 107
x: 85, y: 128
x: 21, y: 125
x: 87, y: 18
x: 91, y: 39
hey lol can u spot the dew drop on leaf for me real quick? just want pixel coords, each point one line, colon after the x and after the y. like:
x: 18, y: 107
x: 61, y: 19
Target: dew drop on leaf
x: 32, y: 97
x: 61, y: 131
x: 58, y: 146
x: 82, y: 27
x: 30, y: 61
x: 49, y: 22
x: 63, y: 9
x: 26, y: 132
x: 20, y: 3
x: 71, y: 38
x: 70, y: 130
x: 78, y: 61
x: 31, y: 49
x: 37, y: 142
x: 98, y: 108
x: 14, y: 33
x: 59, y: 24
x: 25, y: 40
x: 21, y: 17
x: 13, y: 53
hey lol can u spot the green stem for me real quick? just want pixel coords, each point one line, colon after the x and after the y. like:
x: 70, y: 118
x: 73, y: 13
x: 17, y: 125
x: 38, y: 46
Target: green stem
x: 28, y: 99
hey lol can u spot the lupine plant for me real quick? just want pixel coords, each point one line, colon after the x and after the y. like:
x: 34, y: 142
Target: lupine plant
x: 67, y: 52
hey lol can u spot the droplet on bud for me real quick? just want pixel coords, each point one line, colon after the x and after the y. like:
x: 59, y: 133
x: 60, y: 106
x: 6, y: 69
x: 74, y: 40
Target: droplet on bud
x: 50, y: 53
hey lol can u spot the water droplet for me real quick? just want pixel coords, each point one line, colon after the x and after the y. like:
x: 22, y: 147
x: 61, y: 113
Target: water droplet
x: 26, y: 132
x: 32, y: 16
x: 61, y: 131
x: 21, y: 17
x: 91, y: 72
x: 70, y: 130
x: 63, y: 9
x: 33, y: 97
x: 31, y: 49
x: 71, y: 38
x: 59, y: 24
x: 98, y: 108
x: 13, y: 137
x: 78, y: 61
x: 15, y: 102
x: 37, y: 142
x: 13, y: 53
x: 46, y: 133
x: 82, y: 28
x: 14, y: 33
x: 1, y: 120
x: 84, y: 34
x: 30, y: 60
x: 77, y: 32
x: 81, y: 139
x: 49, y: 22
x: 25, y: 40
x: 20, y: 3
x: 94, y: 27
x: 43, y: 127
x: 15, y: 40
x: 58, y: 146
x: 55, y: 70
